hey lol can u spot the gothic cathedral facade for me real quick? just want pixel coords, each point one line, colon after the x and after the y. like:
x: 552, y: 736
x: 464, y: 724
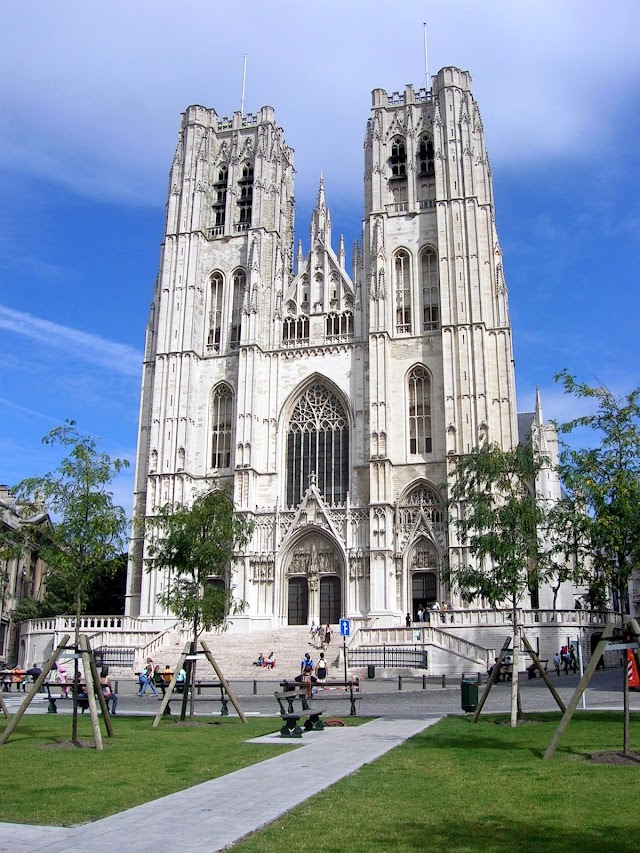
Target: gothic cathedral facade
x: 330, y: 400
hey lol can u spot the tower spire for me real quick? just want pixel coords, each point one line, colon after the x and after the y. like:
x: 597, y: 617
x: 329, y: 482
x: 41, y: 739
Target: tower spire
x: 321, y: 218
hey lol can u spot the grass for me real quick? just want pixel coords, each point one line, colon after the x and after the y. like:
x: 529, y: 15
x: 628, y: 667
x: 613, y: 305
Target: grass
x: 44, y: 784
x: 463, y: 788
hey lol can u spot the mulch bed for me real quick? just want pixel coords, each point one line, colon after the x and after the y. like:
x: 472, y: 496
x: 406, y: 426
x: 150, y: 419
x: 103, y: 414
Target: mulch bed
x: 631, y: 760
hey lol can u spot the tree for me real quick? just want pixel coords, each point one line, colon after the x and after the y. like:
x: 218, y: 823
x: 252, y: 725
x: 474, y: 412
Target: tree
x: 493, y: 502
x: 195, y: 545
x: 88, y: 530
x: 605, y: 480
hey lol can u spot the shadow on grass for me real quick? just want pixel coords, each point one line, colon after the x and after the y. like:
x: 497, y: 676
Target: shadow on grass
x: 501, y: 833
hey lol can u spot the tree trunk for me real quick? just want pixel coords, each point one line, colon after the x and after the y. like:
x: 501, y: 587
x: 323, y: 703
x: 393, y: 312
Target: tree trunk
x: 76, y: 673
x: 514, y: 668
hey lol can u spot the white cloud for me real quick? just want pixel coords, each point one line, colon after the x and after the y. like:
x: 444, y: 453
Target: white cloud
x: 85, y: 347
x: 91, y: 93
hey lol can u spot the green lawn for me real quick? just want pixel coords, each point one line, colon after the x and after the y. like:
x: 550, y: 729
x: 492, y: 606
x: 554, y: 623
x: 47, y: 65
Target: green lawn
x: 460, y: 787
x: 43, y: 784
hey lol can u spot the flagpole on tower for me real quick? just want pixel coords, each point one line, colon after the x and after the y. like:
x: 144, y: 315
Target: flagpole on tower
x: 244, y: 81
x: 427, y: 81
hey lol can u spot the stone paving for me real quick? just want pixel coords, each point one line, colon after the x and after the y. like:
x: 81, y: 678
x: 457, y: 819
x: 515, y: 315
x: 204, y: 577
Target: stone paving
x: 222, y: 811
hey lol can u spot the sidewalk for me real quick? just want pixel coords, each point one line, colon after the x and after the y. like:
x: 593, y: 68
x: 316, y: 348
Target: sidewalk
x: 220, y: 812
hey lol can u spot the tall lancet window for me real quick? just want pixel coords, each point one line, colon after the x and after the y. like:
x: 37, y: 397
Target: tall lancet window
x: 419, y: 411
x: 215, y: 311
x: 245, y: 193
x: 221, y: 426
x: 318, y: 447
x: 425, y: 156
x: 398, y: 159
x: 430, y: 291
x: 220, y: 196
x: 239, y: 286
x: 402, y: 280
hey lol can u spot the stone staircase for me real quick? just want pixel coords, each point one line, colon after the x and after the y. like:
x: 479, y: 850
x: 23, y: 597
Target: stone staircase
x: 235, y: 653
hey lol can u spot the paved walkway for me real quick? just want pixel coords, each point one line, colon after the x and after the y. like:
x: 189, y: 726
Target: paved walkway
x: 222, y: 811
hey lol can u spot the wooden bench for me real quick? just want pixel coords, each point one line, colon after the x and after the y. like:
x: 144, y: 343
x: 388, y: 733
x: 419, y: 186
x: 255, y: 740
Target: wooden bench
x: 223, y: 698
x: 532, y: 670
x: 83, y: 702
x: 331, y: 690
x: 291, y: 717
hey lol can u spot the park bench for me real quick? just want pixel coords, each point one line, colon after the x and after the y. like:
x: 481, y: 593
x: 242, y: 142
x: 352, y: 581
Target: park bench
x: 330, y: 690
x: 223, y: 698
x: 83, y: 702
x: 532, y: 671
x: 291, y: 718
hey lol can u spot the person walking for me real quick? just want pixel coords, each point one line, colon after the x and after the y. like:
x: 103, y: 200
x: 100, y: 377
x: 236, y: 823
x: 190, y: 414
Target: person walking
x: 321, y: 668
x: 146, y: 679
x: 327, y: 638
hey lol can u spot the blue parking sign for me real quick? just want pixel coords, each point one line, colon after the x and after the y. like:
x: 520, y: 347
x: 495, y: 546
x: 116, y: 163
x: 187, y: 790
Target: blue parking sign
x: 344, y: 628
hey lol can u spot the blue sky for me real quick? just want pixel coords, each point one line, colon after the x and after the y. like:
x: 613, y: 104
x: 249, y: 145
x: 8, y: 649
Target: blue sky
x: 90, y: 99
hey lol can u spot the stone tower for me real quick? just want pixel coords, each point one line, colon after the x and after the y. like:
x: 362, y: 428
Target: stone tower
x: 331, y: 401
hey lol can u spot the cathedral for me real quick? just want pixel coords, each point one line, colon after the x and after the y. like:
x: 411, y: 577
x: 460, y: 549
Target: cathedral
x: 333, y: 401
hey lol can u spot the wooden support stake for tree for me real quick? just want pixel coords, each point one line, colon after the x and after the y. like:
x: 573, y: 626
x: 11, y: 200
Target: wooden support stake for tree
x: 104, y: 707
x: 584, y: 681
x: 167, y: 696
x: 223, y: 680
x: 188, y: 683
x: 544, y: 675
x: 90, y: 689
x: 13, y: 722
x: 492, y: 678
x: 4, y: 709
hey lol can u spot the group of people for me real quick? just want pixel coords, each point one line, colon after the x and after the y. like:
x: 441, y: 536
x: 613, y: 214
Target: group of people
x: 267, y: 663
x: 566, y: 658
x: 313, y: 673
x: 152, y: 677
x: 424, y: 613
x: 320, y: 635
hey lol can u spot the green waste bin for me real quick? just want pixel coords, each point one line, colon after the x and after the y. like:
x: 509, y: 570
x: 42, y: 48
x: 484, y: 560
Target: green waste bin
x: 371, y: 671
x: 469, y: 691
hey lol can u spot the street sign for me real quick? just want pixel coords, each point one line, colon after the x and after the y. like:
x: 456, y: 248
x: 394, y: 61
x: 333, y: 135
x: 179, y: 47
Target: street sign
x: 344, y: 628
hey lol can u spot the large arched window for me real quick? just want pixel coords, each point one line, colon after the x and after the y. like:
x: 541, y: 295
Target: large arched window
x: 425, y: 156
x: 318, y: 447
x: 245, y: 193
x: 419, y: 411
x: 215, y: 310
x: 402, y: 281
x: 430, y: 291
x: 398, y: 159
x: 239, y: 285
x: 221, y: 426
x: 220, y: 196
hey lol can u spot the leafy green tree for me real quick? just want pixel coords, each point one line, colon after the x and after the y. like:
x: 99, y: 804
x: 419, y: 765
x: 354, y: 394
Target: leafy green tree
x: 605, y: 480
x: 194, y: 545
x: 88, y: 530
x: 492, y: 501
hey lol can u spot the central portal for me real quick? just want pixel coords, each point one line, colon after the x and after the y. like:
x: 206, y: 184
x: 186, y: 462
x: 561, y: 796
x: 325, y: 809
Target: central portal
x: 315, y: 572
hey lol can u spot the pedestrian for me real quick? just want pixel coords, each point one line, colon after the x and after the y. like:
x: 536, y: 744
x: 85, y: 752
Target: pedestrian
x: 312, y: 630
x: 420, y: 614
x: 557, y: 660
x: 158, y: 679
x: 407, y: 620
x: 573, y: 661
x: 327, y: 637
x: 305, y: 662
x: 107, y: 689
x: 146, y: 679
x: 322, y: 668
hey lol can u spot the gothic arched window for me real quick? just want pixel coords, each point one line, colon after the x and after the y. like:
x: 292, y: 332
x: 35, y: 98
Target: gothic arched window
x: 430, y: 291
x: 220, y: 196
x: 402, y: 282
x: 239, y: 285
x: 216, y: 284
x: 425, y: 156
x: 221, y: 426
x: 398, y: 159
x: 245, y: 200
x: 419, y: 411
x: 318, y: 447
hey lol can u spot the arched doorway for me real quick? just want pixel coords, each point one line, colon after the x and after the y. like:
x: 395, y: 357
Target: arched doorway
x: 298, y: 604
x: 424, y: 591
x: 330, y: 600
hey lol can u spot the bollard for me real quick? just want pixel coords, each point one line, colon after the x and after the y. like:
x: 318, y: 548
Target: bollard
x: 479, y: 678
x: 399, y: 682
x: 444, y: 680
x: 424, y: 682
x: 255, y: 687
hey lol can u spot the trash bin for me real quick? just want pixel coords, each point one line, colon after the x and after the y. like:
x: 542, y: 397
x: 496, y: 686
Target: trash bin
x: 371, y: 671
x: 469, y: 694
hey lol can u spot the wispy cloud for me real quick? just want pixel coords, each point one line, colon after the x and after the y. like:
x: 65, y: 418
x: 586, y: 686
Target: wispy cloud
x: 31, y: 412
x: 113, y: 356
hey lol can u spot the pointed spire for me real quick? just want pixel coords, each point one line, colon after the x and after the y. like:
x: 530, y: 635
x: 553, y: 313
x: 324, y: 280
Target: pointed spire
x: 539, y: 417
x: 300, y: 257
x: 321, y: 218
x: 341, y: 252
